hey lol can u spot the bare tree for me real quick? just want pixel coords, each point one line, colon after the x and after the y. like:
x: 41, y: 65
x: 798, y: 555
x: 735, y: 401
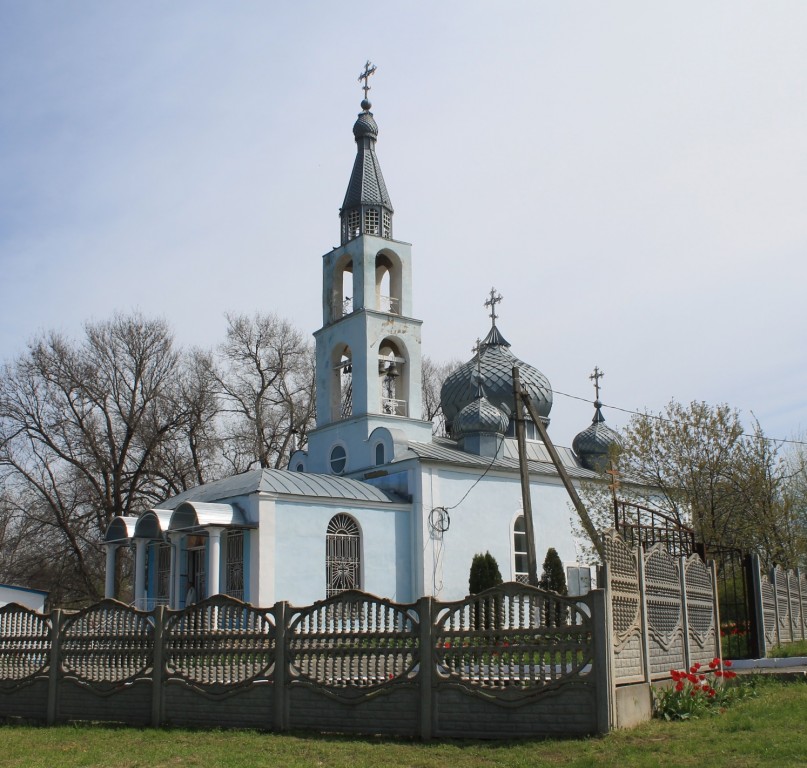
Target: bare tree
x: 81, y: 430
x: 433, y: 376
x: 266, y: 381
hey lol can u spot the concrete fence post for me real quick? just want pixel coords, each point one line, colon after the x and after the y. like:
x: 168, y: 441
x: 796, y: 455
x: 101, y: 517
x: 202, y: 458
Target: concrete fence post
x: 789, y: 607
x: 759, y: 606
x: 682, y: 579
x: 53, y: 670
x: 802, y: 617
x: 426, y: 669
x: 645, y: 635
x: 157, y: 667
x: 775, y: 583
x: 603, y: 668
x: 716, y: 610
x: 280, y: 676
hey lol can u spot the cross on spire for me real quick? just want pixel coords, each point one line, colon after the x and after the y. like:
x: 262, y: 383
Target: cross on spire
x: 369, y: 69
x: 595, y: 377
x: 492, y: 302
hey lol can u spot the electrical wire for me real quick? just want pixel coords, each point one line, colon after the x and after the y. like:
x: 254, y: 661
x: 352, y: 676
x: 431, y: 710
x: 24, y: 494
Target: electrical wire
x: 658, y: 417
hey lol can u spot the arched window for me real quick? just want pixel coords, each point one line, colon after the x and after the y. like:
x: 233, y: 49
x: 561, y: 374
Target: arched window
x: 342, y: 555
x: 520, y: 567
x: 379, y: 454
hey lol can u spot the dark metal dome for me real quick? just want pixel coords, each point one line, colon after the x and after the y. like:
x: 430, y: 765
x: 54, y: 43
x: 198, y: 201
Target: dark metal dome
x: 593, y: 445
x: 496, y: 363
x: 365, y: 125
x: 480, y: 416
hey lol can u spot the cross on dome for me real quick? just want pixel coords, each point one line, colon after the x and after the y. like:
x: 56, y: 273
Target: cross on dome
x: 492, y: 302
x: 595, y: 377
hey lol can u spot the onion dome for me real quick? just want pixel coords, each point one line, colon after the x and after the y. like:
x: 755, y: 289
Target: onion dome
x: 495, y: 363
x: 593, y: 445
x: 365, y: 125
x: 479, y: 416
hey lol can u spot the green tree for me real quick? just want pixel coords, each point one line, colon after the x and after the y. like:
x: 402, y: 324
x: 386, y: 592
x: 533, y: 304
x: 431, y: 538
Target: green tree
x: 484, y: 573
x: 553, y: 579
x: 697, y: 464
x: 554, y: 574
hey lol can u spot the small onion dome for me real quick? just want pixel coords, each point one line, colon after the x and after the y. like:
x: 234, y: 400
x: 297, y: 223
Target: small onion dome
x: 496, y: 367
x: 480, y: 416
x: 593, y: 444
x: 365, y: 125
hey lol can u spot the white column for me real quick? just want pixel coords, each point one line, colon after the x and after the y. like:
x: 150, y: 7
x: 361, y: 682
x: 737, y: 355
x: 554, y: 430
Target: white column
x: 141, y: 547
x: 213, y: 560
x: 176, y: 541
x: 109, y: 584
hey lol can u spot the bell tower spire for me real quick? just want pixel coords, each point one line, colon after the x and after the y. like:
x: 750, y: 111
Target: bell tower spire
x: 366, y: 209
x: 368, y: 349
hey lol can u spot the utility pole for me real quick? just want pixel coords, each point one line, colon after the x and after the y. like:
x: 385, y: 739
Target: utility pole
x: 532, y: 565
x: 522, y: 399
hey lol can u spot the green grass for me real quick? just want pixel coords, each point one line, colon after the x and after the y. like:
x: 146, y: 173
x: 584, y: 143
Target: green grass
x: 764, y: 731
x: 798, y: 648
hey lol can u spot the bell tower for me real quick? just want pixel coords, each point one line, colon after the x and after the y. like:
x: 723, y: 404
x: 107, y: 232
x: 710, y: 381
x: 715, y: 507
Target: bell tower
x: 368, y: 349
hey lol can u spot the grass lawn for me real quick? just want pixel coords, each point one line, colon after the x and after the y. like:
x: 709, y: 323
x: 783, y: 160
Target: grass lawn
x: 764, y: 731
x: 797, y: 648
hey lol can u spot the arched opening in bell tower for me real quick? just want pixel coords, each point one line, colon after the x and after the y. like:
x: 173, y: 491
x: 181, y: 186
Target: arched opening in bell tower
x: 388, y: 282
x: 342, y: 292
x: 393, y: 378
x: 341, y: 383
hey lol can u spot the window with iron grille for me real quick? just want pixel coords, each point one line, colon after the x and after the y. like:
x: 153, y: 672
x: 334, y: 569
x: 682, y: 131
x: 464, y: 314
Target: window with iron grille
x: 387, y: 221
x: 342, y: 555
x: 163, y: 573
x: 520, y: 567
x: 371, y: 221
x: 235, y: 564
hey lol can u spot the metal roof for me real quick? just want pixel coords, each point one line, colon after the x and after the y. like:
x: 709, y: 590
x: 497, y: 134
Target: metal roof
x: 152, y: 524
x: 192, y: 514
x: 284, y: 483
x: 495, y: 364
x: 366, y: 185
x: 445, y: 451
x: 120, y: 529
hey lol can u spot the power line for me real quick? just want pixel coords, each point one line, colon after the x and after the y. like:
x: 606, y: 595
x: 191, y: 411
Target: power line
x: 663, y: 418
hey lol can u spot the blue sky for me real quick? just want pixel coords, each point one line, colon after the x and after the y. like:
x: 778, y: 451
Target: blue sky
x: 631, y: 176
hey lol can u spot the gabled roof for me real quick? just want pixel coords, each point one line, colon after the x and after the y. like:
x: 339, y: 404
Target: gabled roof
x: 283, y: 483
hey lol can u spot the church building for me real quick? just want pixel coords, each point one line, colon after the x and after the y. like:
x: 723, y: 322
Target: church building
x: 375, y: 501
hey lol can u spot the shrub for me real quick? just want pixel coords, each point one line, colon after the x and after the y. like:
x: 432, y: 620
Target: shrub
x: 484, y: 573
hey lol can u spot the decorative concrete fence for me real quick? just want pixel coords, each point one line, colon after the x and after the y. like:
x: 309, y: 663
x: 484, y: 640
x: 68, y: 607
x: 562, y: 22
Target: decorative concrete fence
x: 511, y: 662
x: 664, y: 611
x: 781, y: 601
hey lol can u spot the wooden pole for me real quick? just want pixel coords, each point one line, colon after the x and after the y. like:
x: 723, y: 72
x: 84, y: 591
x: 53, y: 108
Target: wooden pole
x: 553, y: 454
x: 532, y: 565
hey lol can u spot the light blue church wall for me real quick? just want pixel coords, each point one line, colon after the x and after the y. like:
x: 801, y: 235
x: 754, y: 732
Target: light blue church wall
x: 483, y: 521
x: 292, y: 550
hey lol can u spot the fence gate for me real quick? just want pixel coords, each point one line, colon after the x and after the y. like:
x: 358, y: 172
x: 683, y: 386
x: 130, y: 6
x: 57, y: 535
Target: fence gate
x: 738, y: 619
x: 735, y: 573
